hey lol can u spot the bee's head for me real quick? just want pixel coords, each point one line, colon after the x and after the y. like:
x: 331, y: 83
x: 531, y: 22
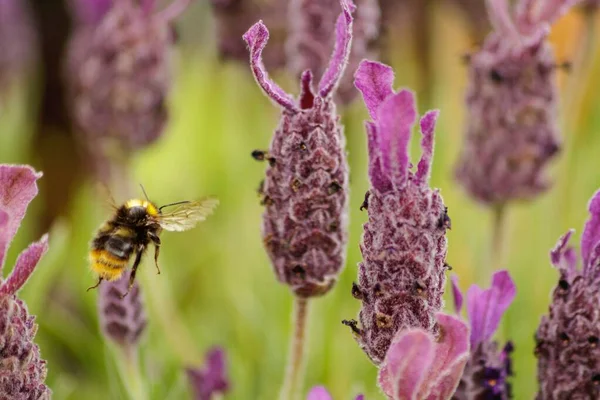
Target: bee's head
x: 138, y: 212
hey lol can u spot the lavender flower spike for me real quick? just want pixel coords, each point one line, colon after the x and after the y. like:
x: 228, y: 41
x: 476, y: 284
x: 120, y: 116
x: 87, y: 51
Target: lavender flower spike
x: 488, y: 368
x: 512, y: 130
x: 306, y: 186
x: 320, y: 393
x: 419, y: 367
x: 402, y: 276
x: 212, y: 379
x: 23, y: 371
x: 568, y: 338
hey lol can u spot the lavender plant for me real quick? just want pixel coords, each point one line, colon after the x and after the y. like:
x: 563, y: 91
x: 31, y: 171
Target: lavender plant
x: 402, y: 276
x: 212, y: 379
x: 22, y: 371
x: 486, y: 373
x: 568, y: 336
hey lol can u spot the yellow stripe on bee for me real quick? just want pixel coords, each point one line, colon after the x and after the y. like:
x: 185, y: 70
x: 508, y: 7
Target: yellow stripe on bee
x: 150, y: 208
x: 124, y: 232
x: 106, y: 265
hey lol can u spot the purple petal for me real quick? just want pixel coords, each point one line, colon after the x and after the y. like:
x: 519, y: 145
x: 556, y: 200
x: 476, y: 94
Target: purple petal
x: 26, y: 263
x: 91, y: 11
x: 451, y: 355
x: 485, y: 307
x: 562, y: 257
x: 427, y: 130
x: 307, y: 97
x: 591, y: 233
x: 534, y: 13
x: 378, y: 179
x: 395, y: 118
x: 406, y: 364
x: 499, y: 14
x: 374, y: 80
x: 17, y: 189
x: 318, y: 393
x: 360, y: 397
x: 456, y: 294
x: 256, y: 38
x: 341, y: 51
x: 212, y: 378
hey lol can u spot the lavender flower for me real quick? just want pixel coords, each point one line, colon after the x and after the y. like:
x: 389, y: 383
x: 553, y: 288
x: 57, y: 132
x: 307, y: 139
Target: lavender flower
x: 419, y: 366
x: 486, y: 373
x: 402, y: 277
x: 122, y: 319
x: 233, y: 16
x: 306, y: 187
x: 311, y: 38
x: 23, y: 371
x: 512, y: 130
x: 212, y: 379
x: 320, y: 393
x: 568, y: 337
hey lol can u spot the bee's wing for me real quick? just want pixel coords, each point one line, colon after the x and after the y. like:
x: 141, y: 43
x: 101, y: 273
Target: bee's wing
x: 187, y: 215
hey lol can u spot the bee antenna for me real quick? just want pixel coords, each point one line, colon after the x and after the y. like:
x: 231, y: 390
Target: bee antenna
x: 144, y: 191
x: 173, y: 204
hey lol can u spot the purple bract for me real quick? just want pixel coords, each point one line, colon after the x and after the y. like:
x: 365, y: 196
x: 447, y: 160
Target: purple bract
x: 211, y: 380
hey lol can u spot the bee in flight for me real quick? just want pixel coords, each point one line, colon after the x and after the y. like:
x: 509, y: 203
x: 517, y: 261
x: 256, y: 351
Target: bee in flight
x: 135, y: 225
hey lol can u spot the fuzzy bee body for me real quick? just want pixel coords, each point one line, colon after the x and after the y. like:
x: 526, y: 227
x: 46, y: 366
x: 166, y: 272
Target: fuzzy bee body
x: 135, y: 226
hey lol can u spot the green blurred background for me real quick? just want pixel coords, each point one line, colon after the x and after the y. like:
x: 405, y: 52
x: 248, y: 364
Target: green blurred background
x: 217, y: 286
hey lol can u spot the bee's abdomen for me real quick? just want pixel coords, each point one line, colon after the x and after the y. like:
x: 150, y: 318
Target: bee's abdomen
x: 111, y: 252
x: 107, y: 265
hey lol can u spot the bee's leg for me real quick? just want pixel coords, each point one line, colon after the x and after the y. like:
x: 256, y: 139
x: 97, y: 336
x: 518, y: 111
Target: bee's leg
x: 136, y: 264
x: 100, y: 279
x: 156, y: 240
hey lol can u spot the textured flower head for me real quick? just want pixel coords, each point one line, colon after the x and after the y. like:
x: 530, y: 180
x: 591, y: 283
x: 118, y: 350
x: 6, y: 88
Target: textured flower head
x: 306, y: 186
x: 512, y: 131
x: 320, y: 393
x: 488, y: 368
x: 402, y: 276
x: 419, y: 366
x: 23, y: 371
x: 311, y: 38
x: 212, y: 379
x: 568, y: 337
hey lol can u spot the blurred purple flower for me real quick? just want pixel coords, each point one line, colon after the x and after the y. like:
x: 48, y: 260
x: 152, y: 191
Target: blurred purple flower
x: 212, y: 379
x: 568, y: 337
x: 311, y: 38
x: 320, y: 393
x: 306, y: 187
x: 402, y: 276
x: 23, y: 371
x: 512, y: 130
x: 488, y: 368
x: 419, y: 366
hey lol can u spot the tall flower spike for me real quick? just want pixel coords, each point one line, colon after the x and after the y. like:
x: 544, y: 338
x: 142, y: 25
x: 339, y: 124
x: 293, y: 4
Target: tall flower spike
x: 568, y: 338
x: 306, y: 186
x: 212, y: 379
x: 401, y: 279
x: 488, y: 368
x: 419, y: 366
x: 23, y: 371
x: 512, y: 132
x: 118, y: 74
x: 312, y: 37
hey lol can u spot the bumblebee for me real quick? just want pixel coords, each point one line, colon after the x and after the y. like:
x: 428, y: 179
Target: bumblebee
x: 135, y: 225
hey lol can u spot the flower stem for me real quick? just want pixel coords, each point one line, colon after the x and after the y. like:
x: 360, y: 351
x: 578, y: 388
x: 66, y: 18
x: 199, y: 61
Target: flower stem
x: 296, y: 358
x: 128, y: 365
x: 498, y: 233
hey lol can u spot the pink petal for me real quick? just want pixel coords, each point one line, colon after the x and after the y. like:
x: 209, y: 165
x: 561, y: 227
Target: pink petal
x: 374, y: 80
x: 26, y: 263
x: 591, y: 233
x: 341, y: 50
x: 256, y: 38
x: 456, y: 294
x: 486, y: 307
x: 318, y: 393
x: 395, y: 118
x: 535, y: 12
x: 406, y: 364
x: 378, y: 179
x: 427, y: 131
x: 90, y: 11
x: 562, y: 257
x: 501, y: 19
x: 17, y: 188
x: 451, y: 355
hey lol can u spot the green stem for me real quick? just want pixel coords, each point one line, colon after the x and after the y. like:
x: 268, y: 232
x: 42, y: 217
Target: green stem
x: 498, y: 238
x: 294, y: 375
x: 128, y: 365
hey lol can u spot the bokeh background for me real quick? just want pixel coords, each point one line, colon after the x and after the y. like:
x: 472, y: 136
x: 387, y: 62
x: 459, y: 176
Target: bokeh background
x: 216, y: 286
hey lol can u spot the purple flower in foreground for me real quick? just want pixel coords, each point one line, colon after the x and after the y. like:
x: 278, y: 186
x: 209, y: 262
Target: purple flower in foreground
x: 512, y: 130
x: 311, y: 38
x: 402, y: 276
x: 486, y: 373
x: 306, y: 186
x: 23, y: 371
x: 320, y: 393
x: 419, y: 366
x: 568, y: 338
x: 212, y: 379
